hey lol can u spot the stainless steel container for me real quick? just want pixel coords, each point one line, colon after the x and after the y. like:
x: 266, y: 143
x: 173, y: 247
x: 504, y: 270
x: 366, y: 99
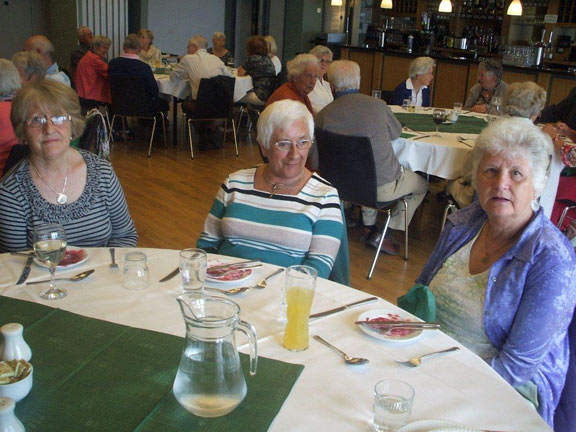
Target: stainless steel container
x: 461, y: 43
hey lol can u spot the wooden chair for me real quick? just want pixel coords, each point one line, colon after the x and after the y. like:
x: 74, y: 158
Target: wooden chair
x: 348, y: 163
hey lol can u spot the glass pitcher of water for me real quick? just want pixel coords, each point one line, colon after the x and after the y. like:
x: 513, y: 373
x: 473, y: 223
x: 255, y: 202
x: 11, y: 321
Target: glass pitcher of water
x: 210, y: 382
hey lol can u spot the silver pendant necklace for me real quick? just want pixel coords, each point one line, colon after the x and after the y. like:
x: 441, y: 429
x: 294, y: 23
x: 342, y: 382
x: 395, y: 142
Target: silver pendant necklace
x: 279, y: 186
x: 61, y: 197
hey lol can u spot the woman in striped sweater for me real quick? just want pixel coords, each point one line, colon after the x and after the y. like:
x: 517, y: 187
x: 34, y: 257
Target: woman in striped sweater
x: 58, y: 183
x: 278, y: 212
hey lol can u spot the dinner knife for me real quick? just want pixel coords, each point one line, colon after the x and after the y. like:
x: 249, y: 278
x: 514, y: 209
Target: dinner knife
x: 25, y: 270
x: 400, y: 324
x: 220, y: 267
x: 170, y: 275
x: 341, y: 308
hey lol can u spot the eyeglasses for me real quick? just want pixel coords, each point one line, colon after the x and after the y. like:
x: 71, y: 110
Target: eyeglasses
x: 37, y: 122
x: 325, y: 61
x: 286, y: 145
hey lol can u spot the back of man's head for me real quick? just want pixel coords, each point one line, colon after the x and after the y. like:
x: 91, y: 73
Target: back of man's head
x: 344, y: 75
x: 42, y: 46
x: 84, y: 35
x: 198, y: 41
x: 132, y: 43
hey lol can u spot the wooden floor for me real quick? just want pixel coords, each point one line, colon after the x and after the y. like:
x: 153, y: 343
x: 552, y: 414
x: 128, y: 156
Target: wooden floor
x: 169, y: 196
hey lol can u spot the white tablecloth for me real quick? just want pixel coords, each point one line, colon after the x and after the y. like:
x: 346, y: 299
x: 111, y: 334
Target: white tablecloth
x: 181, y: 89
x: 329, y: 395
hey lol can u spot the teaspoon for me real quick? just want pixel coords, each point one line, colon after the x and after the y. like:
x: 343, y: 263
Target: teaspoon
x: 349, y: 360
x: 75, y: 278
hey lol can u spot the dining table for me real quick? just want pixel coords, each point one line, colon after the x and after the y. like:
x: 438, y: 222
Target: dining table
x: 179, y: 90
x: 105, y: 357
x: 447, y: 155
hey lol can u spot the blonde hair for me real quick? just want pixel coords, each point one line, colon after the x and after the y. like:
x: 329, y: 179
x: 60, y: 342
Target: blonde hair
x: 271, y: 44
x: 146, y: 33
x: 9, y: 78
x: 52, y: 98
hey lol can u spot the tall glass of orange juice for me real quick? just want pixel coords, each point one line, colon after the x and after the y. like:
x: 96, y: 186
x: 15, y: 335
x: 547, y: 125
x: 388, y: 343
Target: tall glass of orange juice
x: 299, y: 293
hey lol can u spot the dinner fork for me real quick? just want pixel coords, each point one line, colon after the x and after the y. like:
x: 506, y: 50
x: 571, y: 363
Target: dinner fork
x: 113, y: 265
x: 415, y: 361
x: 262, y: 283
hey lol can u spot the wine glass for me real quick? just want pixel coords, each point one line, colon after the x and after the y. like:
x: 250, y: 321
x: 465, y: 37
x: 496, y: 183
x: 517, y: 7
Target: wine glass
x: 50, y: 247
x: 496, y: 106
x: 438, y: 115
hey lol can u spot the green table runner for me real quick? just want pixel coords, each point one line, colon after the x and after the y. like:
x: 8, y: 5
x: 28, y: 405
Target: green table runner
x: 424, y: 123
x: 92, y: 375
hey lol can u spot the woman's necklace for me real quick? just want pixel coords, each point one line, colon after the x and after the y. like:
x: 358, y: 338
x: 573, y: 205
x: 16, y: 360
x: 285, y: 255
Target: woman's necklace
x: 279, y: 186
x: 487, y: 256
x: 61, y: 197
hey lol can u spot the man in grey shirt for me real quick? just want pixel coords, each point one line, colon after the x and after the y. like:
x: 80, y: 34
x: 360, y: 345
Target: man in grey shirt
x: 356, y: 114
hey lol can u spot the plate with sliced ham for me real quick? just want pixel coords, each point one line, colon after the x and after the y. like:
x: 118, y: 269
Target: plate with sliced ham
x: 74, y: 256
x: 386, y: 315
x: 229, y: 275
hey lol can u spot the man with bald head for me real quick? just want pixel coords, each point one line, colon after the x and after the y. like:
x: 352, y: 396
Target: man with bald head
x: 198, y: 64
x: 84, y: 40
x: 44, y: 47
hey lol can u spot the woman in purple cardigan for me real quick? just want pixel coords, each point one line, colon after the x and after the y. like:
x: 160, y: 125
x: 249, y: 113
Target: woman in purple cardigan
x: 504, y: 278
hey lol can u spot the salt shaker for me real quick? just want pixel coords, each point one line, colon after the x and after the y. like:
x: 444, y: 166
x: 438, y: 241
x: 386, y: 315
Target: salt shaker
x: 13, y: 346
x: 8, y: 420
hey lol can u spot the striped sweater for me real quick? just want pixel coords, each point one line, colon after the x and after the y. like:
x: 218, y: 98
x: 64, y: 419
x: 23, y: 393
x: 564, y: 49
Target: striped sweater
x: 284, y: 229
x: 99, y: 217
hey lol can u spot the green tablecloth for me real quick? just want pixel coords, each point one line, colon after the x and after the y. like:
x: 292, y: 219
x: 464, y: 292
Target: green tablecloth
x: 424, y: 123
x: 92, y: 375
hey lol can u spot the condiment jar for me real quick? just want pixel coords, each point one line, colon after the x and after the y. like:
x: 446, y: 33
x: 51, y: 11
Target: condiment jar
x: 13, y: 346
x: 8, y: 420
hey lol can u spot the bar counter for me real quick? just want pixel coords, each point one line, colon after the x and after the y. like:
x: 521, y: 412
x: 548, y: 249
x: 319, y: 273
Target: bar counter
x: 384, y: 69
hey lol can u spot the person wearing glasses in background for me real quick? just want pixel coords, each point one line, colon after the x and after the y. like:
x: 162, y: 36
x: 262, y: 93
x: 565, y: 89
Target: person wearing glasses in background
x: 278, y: 212
x: 322, y: 93
x: 58, y: 183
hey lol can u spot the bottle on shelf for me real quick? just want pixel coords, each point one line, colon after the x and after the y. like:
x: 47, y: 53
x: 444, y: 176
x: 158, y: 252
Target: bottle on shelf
x: 540, y: 48
x: 549, y: 51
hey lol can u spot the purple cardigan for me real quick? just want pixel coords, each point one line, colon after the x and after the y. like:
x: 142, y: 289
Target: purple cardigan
x: 530, y: 302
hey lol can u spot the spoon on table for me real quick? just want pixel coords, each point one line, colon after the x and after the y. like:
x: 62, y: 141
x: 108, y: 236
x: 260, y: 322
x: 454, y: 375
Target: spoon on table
x: 416, y: 361
x: 74, y: 278
x: 349, y: 360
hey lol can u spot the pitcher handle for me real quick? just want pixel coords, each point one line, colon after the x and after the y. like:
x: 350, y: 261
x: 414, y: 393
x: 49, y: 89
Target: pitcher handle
x: 250, y: 332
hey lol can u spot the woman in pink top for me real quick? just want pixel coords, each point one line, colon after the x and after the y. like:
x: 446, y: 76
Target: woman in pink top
x: 9, y: 84
x: 92, y: 75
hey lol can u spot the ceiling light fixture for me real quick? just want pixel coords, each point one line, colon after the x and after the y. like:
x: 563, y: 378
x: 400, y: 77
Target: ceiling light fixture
x: 386, y: 4
x: 515, y: 8
x: 445, y: 6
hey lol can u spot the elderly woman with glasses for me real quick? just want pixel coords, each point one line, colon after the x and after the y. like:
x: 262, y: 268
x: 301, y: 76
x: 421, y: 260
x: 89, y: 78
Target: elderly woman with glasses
x: 57, y: 183
x: 489, y: 85
x: 503, y: 276
x: 322, y: 93
x: 303, y: 73
x: 219, y: 48
x: 278, y: 212
x: 416, y: 87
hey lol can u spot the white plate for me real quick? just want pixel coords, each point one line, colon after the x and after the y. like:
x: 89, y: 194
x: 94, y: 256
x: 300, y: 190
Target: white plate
x: 247, y: 273
x: 380, y: 334
x: 436, y: 426
x: 41, y: 264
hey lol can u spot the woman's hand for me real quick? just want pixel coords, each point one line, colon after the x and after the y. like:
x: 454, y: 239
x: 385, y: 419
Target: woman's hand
x: 479, y: 109
x: 242, y: 71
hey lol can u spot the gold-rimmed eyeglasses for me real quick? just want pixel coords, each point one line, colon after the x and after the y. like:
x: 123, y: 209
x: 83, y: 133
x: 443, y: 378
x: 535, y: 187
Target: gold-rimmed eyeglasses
x: 37, y: 122
x: 286, y: 145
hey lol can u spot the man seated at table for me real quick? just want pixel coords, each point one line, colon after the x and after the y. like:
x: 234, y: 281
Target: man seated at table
x: 356, y: 114
x: 44, y: 47
x: 129, y: 64
x: 84, y: 41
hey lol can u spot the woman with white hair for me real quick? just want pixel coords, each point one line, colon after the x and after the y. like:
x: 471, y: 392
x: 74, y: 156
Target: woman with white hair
x: 416, y: 86
x: 9, y: 84
x: 219, y: 48
x: 322, y: 93
x: 502, y: 275
x: 303, y: 72
x: 278, y: 212
x: 272, y: 50
x: 149, y: 54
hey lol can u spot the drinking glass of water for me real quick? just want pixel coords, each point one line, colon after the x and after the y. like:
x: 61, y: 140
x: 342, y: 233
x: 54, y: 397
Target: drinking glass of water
x: 50, y: 246
x: 135, y: 274
x: 458, y: 107
x: 193, y: 264
x: 377, y: 94
x: 392, y: 405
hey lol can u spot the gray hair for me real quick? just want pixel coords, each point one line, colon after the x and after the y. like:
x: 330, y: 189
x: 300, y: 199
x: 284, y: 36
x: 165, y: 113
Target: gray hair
x: 515, y: 137
x: 198, y: 41
x: 492, y: 66
x: 420, y: 66
x: 146, y: 33
x: 281, y: 115
x: 344, y: 75
x: 321, y: 51
x: 100, y: 41
x: 271, y: 42
x: 132, y: 42
x: 298, y: 64
x: 218, y: 35
x: 9, y: 78
x: 524, y: 99
x: 30, y: 63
